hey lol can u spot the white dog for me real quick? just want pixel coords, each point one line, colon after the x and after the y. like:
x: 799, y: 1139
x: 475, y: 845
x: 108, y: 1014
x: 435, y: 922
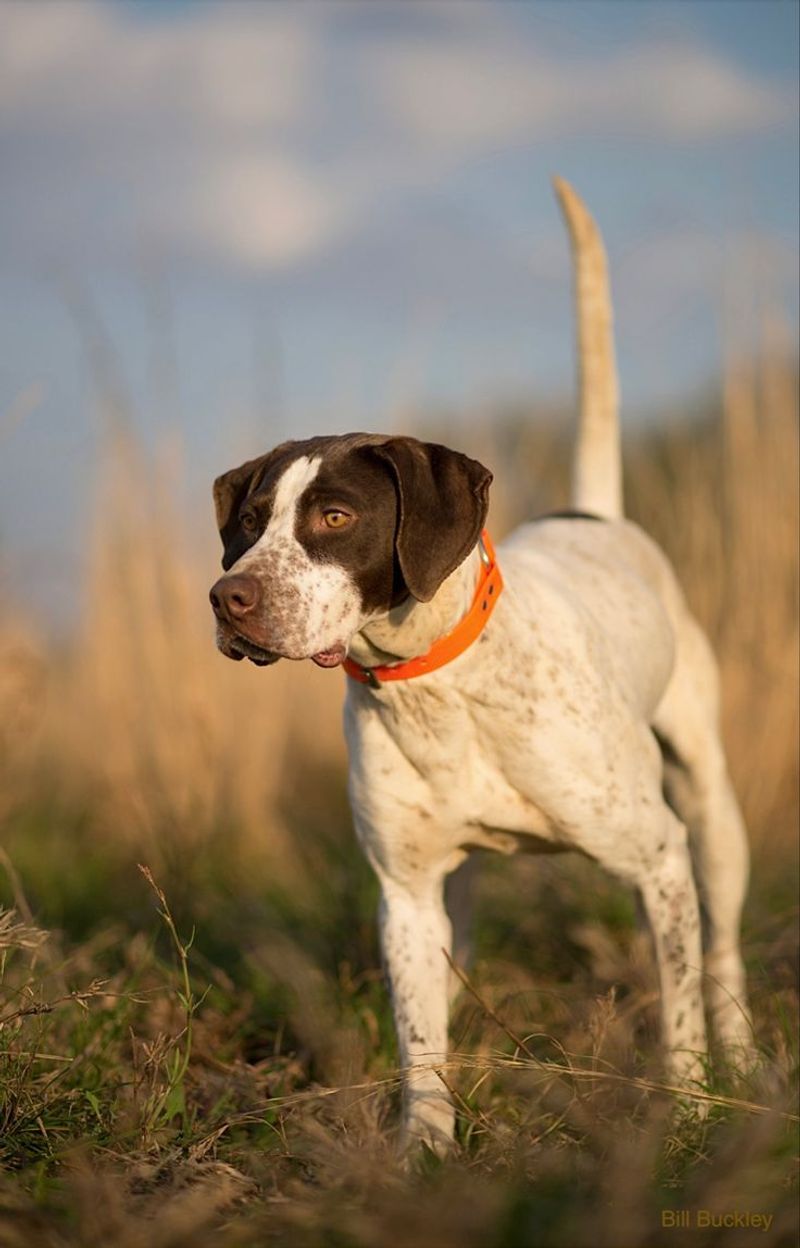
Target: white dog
x: 547, y: 698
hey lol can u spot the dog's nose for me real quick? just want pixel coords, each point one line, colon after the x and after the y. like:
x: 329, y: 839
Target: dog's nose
x: 234, y: 596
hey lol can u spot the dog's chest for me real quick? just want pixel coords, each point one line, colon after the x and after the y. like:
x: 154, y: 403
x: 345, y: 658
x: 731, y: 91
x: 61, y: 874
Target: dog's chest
x: 462, y: 756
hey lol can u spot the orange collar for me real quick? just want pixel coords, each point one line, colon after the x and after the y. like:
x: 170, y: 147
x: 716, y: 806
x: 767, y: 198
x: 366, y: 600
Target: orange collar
x: 454, y: 643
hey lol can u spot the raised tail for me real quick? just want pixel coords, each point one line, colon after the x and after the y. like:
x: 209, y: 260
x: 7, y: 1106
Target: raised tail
x: 597, y: 464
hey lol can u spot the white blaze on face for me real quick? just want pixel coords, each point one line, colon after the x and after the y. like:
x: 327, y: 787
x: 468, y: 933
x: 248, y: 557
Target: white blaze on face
x: 297, y: 477
x: 308, y: 606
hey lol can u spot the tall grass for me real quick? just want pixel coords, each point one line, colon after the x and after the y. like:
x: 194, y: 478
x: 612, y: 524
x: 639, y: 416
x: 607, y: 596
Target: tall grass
x: 231, y: 1080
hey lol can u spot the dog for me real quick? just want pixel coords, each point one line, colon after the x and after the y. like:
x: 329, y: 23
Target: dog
x: 558, y: 695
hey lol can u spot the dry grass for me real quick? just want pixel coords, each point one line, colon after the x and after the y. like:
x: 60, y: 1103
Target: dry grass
x: 240, y: 1088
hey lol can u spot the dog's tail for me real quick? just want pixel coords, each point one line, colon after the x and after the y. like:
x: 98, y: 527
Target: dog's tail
x: 597, y: 466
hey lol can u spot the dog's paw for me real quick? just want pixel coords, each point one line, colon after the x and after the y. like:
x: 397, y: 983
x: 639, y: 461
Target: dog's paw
x: 428, y: 1129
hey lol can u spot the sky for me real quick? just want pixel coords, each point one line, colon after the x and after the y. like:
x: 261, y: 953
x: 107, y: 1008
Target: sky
x: 277, y: 219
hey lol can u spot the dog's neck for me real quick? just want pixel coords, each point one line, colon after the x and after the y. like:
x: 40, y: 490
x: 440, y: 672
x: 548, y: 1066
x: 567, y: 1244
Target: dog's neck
x: 411, y: 628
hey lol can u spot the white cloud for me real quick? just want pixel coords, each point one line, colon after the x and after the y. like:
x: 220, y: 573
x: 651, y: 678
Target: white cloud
x: 93, y: 62
x: 267, y: 209
x: 257, y: 134
x: 481, y: 93
x: 172, y: 129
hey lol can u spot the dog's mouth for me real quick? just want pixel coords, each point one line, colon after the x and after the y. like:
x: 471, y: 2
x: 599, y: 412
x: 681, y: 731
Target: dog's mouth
x: 238, y: 647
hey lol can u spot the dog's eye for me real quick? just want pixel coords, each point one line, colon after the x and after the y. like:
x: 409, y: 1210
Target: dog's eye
x: 248, y: 522
x: 336, y: 519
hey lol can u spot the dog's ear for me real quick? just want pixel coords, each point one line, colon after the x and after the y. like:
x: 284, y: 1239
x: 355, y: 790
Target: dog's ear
x: 443, y: 498
x: 230, y: 491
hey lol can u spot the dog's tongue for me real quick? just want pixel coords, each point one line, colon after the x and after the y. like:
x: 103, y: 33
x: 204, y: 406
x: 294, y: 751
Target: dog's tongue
x: 330, y: 658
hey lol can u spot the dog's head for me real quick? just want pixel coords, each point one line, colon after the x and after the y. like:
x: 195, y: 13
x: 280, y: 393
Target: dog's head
x: 324, y: 535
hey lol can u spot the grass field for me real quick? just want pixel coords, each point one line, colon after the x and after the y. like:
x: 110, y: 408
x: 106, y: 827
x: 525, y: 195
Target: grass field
x: 214, y: 1064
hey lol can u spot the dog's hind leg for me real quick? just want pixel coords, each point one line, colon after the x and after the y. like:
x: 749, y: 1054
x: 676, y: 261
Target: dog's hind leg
x: 636, y: 835
x: 668, y: 891
x: 697, y: 786
x: 655, y: 859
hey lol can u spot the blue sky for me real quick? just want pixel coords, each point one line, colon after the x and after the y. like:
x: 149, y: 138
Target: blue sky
x: 296, y: 218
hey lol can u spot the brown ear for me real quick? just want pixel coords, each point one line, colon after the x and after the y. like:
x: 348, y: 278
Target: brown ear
x: 443, y: 499
x: 230, y: 491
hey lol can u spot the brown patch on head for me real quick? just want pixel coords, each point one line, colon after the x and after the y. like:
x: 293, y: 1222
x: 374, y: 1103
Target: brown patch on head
x: 419, y: 507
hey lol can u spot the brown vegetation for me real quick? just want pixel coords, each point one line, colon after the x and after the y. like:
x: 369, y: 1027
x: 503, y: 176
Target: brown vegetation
x: 241, y: 1089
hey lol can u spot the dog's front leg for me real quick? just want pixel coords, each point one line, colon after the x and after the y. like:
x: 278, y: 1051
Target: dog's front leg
x: 415, y: 932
